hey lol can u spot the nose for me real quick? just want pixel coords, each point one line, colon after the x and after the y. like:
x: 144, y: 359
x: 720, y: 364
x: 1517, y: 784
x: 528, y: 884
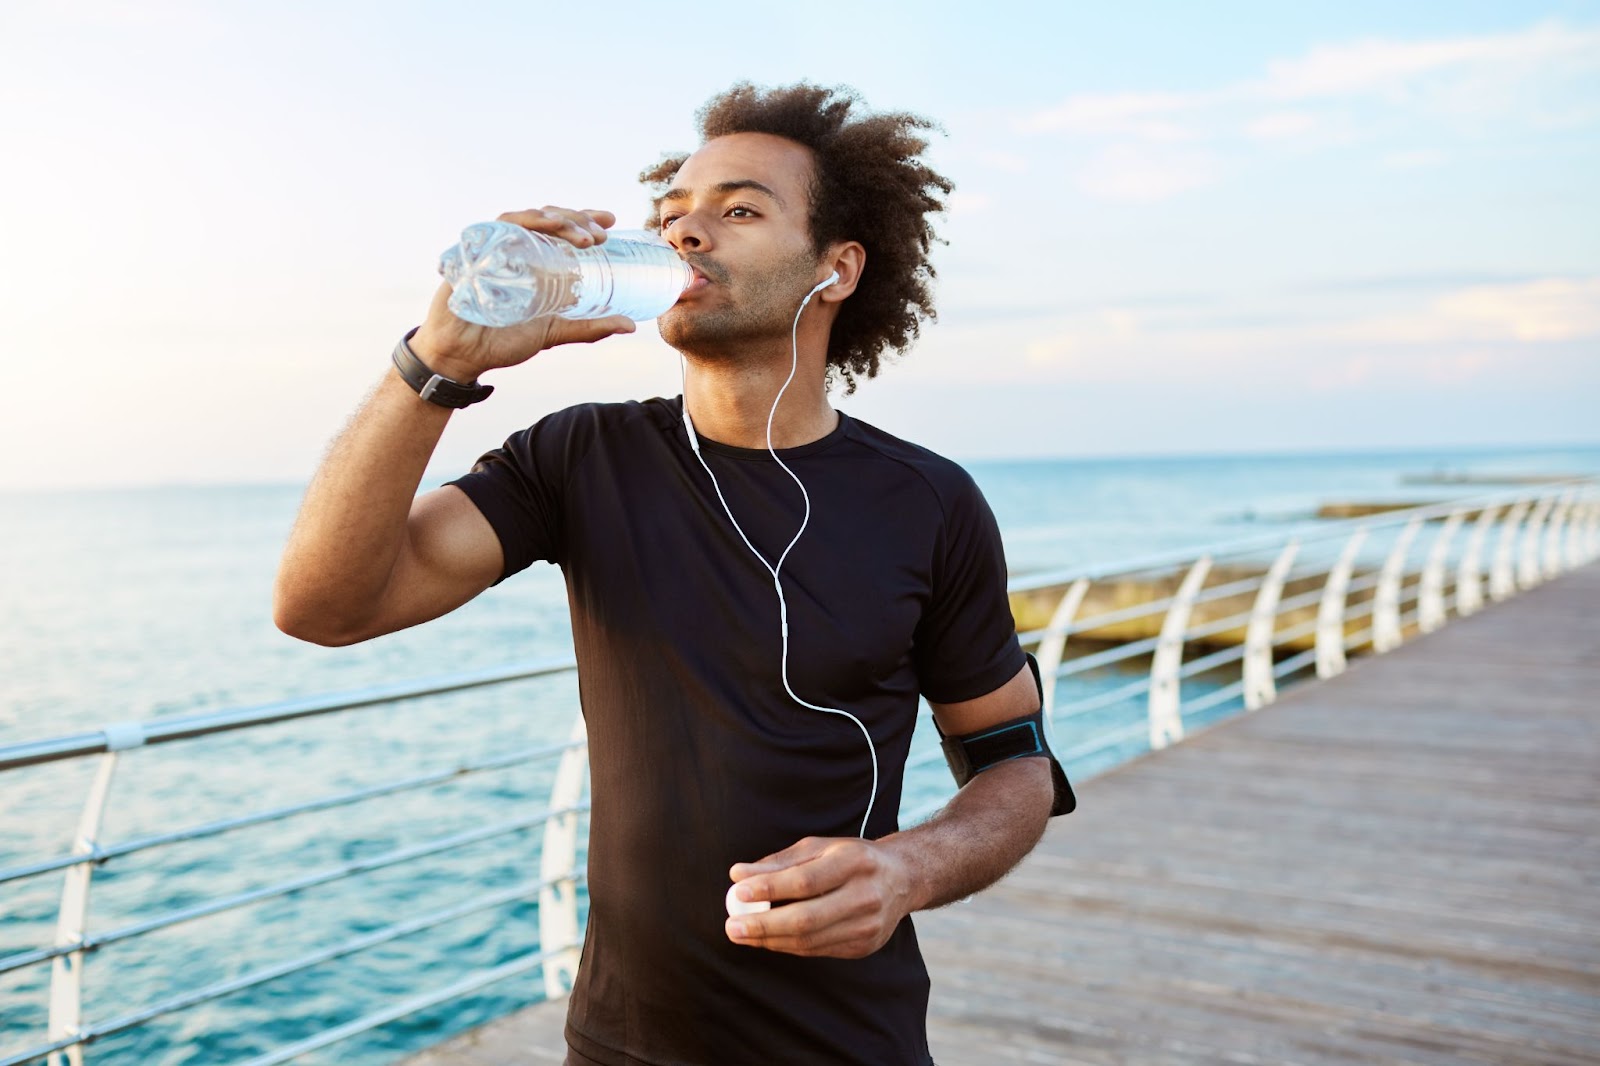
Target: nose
x: 686, y: 234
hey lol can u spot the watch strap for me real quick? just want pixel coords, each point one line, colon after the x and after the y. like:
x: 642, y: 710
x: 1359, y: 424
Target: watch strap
x: 435, y: 388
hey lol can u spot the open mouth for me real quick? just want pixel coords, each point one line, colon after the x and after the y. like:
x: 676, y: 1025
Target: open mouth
x: 700, y: 280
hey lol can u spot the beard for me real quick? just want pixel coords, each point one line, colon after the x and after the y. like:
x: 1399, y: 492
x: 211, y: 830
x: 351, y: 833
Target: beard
x: 758, y: 305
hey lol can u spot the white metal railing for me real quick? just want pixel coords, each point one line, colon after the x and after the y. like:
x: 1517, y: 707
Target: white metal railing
x: 1541, y: 533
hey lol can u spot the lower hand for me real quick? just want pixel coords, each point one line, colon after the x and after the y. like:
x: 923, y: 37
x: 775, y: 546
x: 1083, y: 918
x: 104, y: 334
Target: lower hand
x: 837, y: 897
x: 461, y: 350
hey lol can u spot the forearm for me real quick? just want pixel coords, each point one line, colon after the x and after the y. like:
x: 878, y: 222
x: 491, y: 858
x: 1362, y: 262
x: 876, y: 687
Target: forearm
x: 352, y: 523
x: 977, y: 837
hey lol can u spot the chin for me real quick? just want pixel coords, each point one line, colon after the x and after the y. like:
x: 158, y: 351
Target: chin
x: 700, y: 332
x: 675, y: 327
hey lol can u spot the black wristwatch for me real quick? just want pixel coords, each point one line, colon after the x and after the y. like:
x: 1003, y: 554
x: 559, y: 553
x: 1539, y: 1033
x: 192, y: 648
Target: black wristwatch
x: 434, y: 388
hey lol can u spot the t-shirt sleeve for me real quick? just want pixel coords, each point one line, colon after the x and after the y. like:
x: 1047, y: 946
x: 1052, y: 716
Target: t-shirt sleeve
x: 520, y: 487
x: 966, y: 643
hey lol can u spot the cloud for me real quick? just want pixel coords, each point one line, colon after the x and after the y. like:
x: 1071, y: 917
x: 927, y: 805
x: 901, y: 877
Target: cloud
x: 1551, y: 309
x: 1278, y: 125
x: 1348, y: 373
x: 1474, y: 335
x: 1151, y: 116
x: 1534, y: 76
x: 1415, y: 159
x: 1393, y: 68
x: 1542, y: 310
x: 1130, y: 173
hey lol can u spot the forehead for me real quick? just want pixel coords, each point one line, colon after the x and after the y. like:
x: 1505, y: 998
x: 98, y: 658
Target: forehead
x: 782, y: 165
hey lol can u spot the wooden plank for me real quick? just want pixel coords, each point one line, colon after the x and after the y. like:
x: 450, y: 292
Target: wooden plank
x: 1394, y: 866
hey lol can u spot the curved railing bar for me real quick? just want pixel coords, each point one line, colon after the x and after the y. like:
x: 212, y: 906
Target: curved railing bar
x: 123, y: 735
x: 1308, y: 532
x: 105, y: 852
x: 465, y: 986
x: 195, y: 997
x: 325, y: 876
x: 1136, y: 648
x: 1211, y: 699
x: 1295, y: 662
x: 1140, y: 610
x: 1211, y: 662
x: 1108, y: 698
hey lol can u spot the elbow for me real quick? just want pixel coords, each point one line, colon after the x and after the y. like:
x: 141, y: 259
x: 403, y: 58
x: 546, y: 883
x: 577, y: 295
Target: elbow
x: 297, y: 617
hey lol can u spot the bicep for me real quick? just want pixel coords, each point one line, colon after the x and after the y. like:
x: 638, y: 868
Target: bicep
x: 1015, y: 698
x: 451, y: 554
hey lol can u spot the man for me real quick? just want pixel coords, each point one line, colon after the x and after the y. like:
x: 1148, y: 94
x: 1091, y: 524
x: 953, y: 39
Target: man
x: 726, y: 744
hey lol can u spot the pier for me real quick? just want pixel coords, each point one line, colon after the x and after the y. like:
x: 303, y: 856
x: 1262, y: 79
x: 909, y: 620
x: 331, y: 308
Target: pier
x: 1396, y: 864
x: 1337, y: 805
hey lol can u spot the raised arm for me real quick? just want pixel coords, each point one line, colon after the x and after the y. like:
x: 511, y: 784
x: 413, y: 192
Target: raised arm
x: 851, y: 894
x: 367, y: 555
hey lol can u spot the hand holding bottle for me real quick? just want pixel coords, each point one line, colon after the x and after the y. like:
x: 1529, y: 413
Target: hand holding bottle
x: 462, y: 351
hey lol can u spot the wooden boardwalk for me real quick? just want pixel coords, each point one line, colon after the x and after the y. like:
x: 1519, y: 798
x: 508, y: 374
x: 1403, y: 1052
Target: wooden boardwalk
x: 1400, y: 865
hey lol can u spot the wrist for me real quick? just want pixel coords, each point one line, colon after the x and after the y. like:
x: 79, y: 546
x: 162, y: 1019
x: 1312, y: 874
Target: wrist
x: 432, y: 385
x: 440, y: 360
x: 907, y: 877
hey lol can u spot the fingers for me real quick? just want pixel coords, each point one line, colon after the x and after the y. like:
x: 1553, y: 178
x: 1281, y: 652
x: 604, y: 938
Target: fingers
x: 581, y: 228
x: 800, y: 851
x: 805, y: 870
x: 849, y: 922
x: 841, y: 897
x: 587, y: 330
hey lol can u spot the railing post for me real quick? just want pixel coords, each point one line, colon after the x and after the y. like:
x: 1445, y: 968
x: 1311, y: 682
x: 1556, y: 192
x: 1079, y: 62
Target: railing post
x: 66, y: 972
x: 1054, y: 645
x: 1469, y: 575
x: 1529, y: 571
x: 1166, y: 722
x: 1331, y: 610
x: 1386, y: 632
x: 1259, y: 687
x: 1430, y: 599
x: 1577, y: 531
x: 1502, y: 575
x: 1553, y: 562
x: 558, y: 867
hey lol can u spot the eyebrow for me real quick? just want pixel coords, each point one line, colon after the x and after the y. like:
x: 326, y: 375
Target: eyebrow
x: 722, y: 188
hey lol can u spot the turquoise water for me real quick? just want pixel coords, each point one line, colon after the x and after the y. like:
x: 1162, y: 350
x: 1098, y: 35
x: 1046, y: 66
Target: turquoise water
x: 135, y: 604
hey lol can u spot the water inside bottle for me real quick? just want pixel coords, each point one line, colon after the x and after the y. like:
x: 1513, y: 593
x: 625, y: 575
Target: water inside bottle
x: 634, y: 273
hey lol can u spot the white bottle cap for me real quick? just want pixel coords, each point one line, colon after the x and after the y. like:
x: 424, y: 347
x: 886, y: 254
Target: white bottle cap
x: 737, y: 906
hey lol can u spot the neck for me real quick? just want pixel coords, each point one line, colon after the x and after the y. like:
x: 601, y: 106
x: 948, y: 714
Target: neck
x: 731, y: 399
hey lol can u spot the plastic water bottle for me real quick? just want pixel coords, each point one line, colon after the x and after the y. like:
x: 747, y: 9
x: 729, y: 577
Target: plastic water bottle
x: 503, y: 274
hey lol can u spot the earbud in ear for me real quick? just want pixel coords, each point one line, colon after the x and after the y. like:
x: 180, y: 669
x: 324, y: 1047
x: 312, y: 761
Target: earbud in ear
x: 833, y: 279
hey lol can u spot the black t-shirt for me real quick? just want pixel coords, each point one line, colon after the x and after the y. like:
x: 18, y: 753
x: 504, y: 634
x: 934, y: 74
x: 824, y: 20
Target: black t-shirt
x: 698, y: 758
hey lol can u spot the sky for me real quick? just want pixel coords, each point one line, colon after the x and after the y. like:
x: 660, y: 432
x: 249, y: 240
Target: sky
x: 1177, y: 228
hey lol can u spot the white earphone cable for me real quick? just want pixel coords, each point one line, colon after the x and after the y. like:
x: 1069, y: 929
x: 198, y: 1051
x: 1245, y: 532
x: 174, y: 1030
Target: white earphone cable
x: 774, y: 569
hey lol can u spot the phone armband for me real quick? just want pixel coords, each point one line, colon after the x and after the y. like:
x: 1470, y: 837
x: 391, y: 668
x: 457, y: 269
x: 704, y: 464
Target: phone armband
x: 1021, y: 738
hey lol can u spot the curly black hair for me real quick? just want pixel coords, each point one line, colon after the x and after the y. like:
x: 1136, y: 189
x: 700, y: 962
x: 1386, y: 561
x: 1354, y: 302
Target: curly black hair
x: 869, y: 186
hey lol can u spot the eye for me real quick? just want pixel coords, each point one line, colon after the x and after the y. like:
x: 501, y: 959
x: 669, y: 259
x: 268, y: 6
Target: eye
x: 735, y: 211
x: 667, y: 220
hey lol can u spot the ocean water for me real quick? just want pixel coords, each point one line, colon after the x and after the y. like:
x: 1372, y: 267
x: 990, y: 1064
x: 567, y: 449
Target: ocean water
x: 136, y: 604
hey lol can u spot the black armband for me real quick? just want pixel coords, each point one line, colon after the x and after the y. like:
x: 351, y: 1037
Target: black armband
x: 1019, y: 738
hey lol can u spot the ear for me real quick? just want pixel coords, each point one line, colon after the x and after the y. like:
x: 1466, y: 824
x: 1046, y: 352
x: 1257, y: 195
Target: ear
x: 848, y: 259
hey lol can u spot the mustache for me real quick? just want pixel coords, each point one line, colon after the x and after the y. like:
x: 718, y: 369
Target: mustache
x: 707, y: 266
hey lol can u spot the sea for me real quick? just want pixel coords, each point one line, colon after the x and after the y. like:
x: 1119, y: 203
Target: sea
x: 137, y: 604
